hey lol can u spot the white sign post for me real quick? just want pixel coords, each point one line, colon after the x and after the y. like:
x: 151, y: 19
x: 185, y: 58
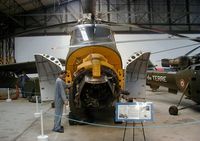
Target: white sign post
x: 8, y: 100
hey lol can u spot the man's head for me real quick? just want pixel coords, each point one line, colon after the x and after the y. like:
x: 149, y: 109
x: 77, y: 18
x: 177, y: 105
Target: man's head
x: 62, y: 74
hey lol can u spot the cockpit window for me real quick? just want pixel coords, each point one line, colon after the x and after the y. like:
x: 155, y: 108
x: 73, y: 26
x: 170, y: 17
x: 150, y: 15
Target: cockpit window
x: 91, y: 33
x: 197, y: 68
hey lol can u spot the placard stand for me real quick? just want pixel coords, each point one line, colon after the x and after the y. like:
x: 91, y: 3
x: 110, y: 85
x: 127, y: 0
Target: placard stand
x: 136, y: 113
x: 143, y: 131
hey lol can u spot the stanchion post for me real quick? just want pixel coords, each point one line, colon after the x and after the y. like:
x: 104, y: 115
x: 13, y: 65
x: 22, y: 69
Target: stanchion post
x: 65, y: 111
x: 42, y: 137
x: 8, y: 100
x: 37, y: 114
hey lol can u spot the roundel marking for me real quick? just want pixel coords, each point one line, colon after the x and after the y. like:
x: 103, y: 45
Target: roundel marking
x: 182, y: 83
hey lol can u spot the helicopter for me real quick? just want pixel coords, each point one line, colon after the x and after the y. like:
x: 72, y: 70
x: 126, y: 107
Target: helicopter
x: 94, y: 71
x: 185, y: 78
x: 94, y: 68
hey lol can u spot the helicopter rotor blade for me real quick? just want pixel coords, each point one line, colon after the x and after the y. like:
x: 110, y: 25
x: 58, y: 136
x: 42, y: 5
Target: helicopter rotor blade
x: 39, y: 28
x: 88, y: 6
x: 130, y: 41
x: 176, y: 48
x: 192, y: 51
x: 155, y: 30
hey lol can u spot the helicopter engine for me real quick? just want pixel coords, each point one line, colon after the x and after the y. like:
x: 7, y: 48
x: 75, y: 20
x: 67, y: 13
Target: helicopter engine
x: 95, y: 84
x: 177, y: 63
x: 95, y: 89
x: 181, y: 62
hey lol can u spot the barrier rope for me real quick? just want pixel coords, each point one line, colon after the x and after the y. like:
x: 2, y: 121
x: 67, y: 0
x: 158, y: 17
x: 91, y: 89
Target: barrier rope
x: 130, y: 127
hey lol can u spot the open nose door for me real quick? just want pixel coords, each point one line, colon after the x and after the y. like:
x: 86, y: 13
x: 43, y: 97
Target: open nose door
x: 48, y: 68
x: 135, y: 74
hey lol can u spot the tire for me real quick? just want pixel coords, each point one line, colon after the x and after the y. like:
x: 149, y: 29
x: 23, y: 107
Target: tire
x: 173, y: 110
x: 154, y: 88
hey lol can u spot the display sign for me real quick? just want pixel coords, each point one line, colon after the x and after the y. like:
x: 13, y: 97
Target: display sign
x: 134, y: 111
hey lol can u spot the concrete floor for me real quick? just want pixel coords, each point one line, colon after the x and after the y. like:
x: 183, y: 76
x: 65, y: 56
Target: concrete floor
x: 17, y: 123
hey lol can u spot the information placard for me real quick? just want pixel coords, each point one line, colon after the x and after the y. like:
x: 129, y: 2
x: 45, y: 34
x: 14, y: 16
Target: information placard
x: 134, y: 111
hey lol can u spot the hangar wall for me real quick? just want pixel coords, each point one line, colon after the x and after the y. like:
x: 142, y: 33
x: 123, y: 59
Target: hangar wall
x: 160, y: 45
x: 26, y: 47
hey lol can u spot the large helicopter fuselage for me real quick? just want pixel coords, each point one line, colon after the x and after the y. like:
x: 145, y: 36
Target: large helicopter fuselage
x: 94, y: 69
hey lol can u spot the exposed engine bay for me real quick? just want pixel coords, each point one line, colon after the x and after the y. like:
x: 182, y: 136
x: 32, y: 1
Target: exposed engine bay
x: 90, y: 92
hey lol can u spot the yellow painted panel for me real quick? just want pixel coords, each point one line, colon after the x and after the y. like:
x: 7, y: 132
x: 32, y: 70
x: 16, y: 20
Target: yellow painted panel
x: 82, y: 58
x: 76, y: 58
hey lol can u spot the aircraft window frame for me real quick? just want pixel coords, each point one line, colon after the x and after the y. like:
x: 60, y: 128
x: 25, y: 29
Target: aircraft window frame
x: 88, y: 33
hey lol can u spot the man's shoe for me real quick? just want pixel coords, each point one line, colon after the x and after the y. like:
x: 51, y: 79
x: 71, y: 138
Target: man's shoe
x: 59, y: 131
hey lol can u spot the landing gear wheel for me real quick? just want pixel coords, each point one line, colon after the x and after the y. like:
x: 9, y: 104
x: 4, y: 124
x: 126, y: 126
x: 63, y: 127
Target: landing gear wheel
x: 154, y: 88
x: 173, y: 110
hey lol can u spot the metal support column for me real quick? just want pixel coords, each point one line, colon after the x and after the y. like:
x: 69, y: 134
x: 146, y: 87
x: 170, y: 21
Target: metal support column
x: 169, y: 14
x: 7, y: 54
x: 187, y: 6
x: 1, y: 52
x: 129, y: 13
x: 149, y: 7
x: 108, y: 9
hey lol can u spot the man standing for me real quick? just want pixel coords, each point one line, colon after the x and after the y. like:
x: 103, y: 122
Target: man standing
x: 60, y: 100
x: 22, y: 81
